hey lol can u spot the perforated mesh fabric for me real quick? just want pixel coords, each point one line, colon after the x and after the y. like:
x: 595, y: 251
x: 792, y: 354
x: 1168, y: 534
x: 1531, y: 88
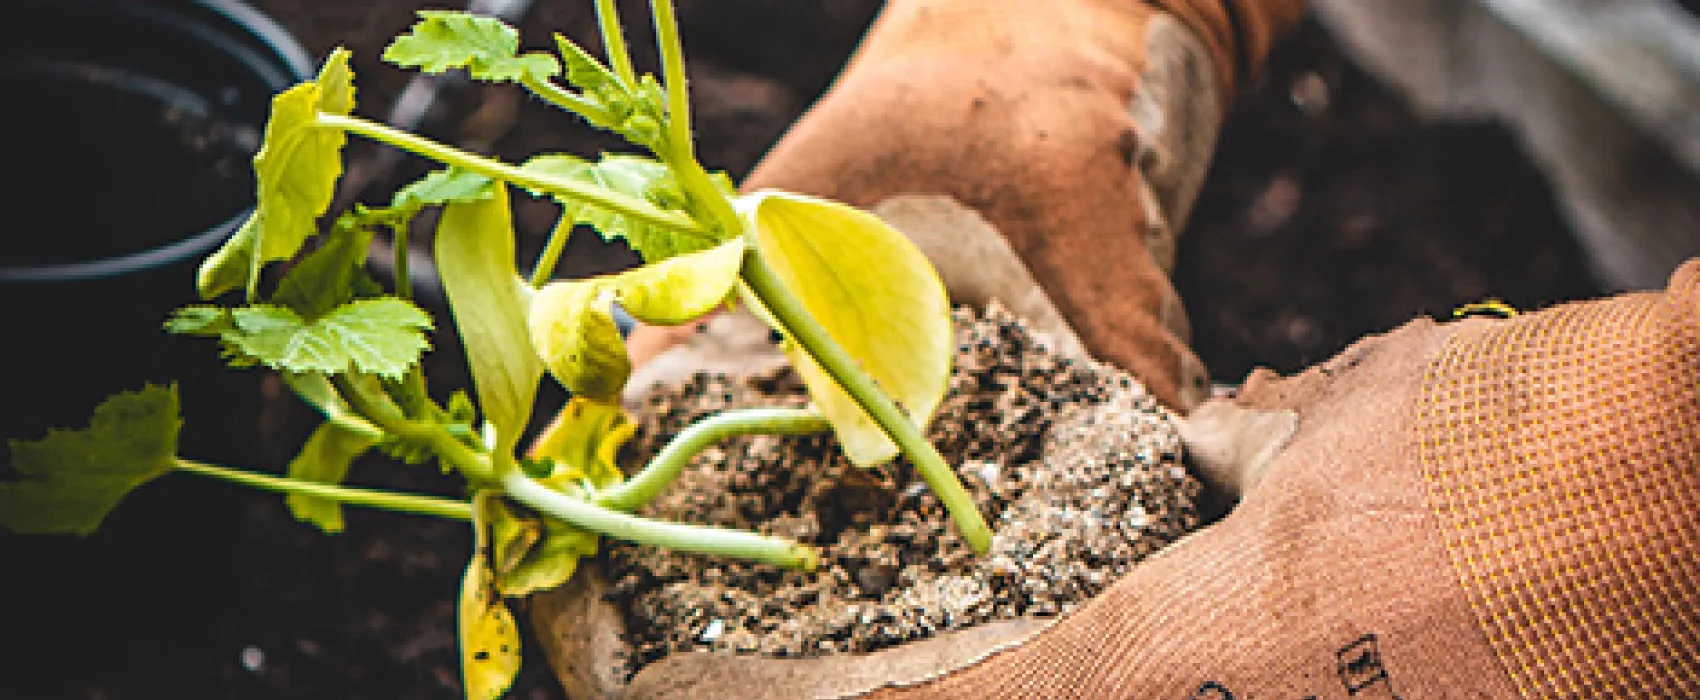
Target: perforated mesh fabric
x: 1562, y: 456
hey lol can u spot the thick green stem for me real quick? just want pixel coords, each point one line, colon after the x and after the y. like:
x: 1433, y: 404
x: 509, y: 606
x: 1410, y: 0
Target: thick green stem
x: 658, y: 533
x: 382, y: 500
x: 545, y: 267
x: 488, y: 167
x: 673, y: 73
x: 644, y: 486
x: 614, y: 41
x: 801, y: 327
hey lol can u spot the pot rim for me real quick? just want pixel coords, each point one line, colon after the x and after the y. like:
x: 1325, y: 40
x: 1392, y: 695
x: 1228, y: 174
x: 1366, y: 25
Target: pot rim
x: 291, y: 64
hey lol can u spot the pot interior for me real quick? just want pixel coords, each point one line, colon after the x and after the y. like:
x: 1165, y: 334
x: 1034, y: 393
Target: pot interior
x: 131, y: 144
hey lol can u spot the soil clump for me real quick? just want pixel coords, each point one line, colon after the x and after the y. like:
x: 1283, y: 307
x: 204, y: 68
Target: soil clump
x: 1075, y: 466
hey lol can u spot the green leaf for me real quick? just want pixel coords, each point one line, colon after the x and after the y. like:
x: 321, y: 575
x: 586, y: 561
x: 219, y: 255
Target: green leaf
x: 445, y: 186
x: 584, y: 71
x: 573, y: 330
x: 200, y: 320
x: 70, y: 479
x: 874, y: 293
x: 325, y: 458
x: 296, y: 172
x: 635, y: 112
x: 489, y: 639
x: 635, y: 176
x: 486, y: 47
x: 584, y: 443
x: 382, y: 336
x: 328, y: 277
x: 683, y: 288
x: 475, y: 259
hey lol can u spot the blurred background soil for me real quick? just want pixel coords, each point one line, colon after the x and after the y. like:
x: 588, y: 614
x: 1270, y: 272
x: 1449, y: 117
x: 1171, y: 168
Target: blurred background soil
x: 1331, y: 211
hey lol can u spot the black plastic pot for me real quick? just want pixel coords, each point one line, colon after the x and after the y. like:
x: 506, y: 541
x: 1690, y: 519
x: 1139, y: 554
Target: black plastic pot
x: 127, y: 135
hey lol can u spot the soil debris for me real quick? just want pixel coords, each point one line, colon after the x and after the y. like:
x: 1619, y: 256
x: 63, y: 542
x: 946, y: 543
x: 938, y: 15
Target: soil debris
x: 1074, y: 464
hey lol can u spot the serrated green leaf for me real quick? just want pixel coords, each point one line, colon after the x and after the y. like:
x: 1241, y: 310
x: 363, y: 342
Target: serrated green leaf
x: 296, y: 172
x: 573, y: 330
x: 874, y: 293
x: 69, y: 480
x: 475, y: 259
x: 383, y: 336
x: 328, y: 277
x: 445, y: 186
x: 584, y: 442
x: 682, y: 288
x: 489, y: 639
x: 634, y: 176
x: 325, y: 458
x: 485, y: 46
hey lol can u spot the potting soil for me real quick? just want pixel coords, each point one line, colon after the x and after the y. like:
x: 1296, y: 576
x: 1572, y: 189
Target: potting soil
x: 1075, y: 466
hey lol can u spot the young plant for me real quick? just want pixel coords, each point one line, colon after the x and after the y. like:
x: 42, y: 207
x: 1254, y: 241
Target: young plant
x: 863, y: 316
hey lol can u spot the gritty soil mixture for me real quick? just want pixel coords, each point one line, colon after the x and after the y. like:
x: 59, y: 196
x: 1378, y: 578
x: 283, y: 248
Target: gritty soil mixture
x: 1077, y: 468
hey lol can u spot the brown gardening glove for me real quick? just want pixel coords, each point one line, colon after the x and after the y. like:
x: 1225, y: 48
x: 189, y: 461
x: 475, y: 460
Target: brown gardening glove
x: 1078, y: 129
x: 1505, y: 508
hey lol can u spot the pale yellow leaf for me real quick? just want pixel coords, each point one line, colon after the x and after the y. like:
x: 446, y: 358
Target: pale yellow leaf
x: 874, y: 293
x: 489, y: 640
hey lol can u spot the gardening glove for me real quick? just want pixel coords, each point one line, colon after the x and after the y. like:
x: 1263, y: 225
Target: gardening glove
x: 1079, y: 130
x: 1496, y: 508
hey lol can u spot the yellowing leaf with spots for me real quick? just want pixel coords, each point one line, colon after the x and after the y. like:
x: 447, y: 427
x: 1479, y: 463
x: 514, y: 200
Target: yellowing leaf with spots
x: 489, y: 641
x: 874, y: 293
x: 682, y: 288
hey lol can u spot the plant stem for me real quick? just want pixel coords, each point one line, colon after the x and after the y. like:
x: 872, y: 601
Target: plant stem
x: 565, y: 99
x: 659, y: 533
x: 673, y: 73
x: 378, y: 409
x: 644, y: 486
x: 814, y: 339
x: 544, y: 269
x: 614, y: 41
x: 489, y: 167
x: 398, y: 240
x: 383, y: 500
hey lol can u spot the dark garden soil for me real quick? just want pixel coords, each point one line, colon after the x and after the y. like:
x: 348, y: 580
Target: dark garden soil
x: 1331, y: 212
x: 1076, y: 468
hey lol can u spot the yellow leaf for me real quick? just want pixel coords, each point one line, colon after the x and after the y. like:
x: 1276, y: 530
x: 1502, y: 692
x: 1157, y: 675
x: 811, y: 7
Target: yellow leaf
x: 874, y: 293
x: 489, y: 641
x: 475, y: 260
x: 572, y: 328
x: 584, y: 440
x: 681, y: 288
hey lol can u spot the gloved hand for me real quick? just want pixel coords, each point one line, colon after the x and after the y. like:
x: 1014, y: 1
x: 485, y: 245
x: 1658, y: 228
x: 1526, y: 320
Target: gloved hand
x: 1505, y: 508
x: 1079, y: 130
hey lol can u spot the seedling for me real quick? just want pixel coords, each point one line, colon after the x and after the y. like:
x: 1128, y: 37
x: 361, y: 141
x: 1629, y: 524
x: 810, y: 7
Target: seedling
x: 863, y: 316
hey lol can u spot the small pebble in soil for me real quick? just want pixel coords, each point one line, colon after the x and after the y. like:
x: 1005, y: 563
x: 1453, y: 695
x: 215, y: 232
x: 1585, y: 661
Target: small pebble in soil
x: 1074, y: 464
